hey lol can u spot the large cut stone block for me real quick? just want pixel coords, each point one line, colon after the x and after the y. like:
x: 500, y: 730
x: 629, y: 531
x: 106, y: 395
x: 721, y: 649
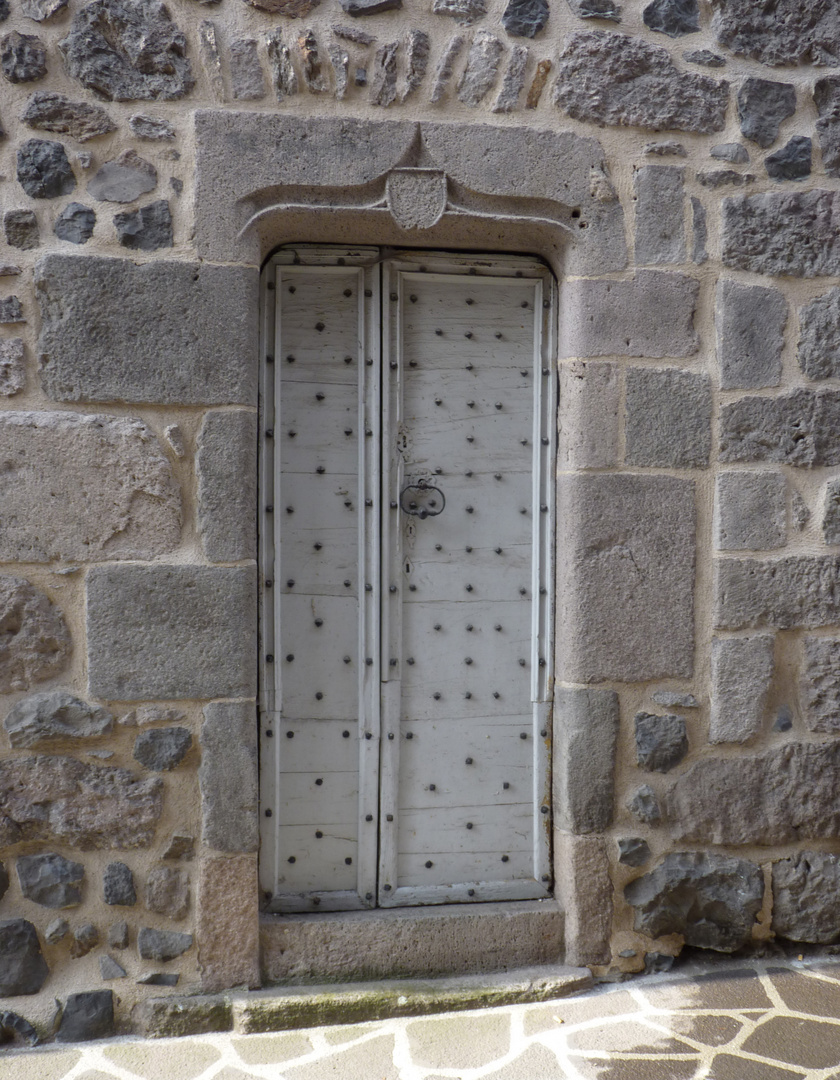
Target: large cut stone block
x: 651, y: 316
x: 84, y: 487
x: 586, y: 893
x: 228, y: 923
x: 590, y: 396
x: 625, y: 577
x: 750, y: 333
x: 171, y: 632
x: 585, y: 735
x: 793, y: 233
x: 750, y: 511
x: 228, y: 777
x: 819, y: 337
x: 742, y: 669
x: 806, y: 897
x: 798, y: 428
x: 668, y: 421
x: 795, y: 591
x: 820, y: 684
x: 162, y: 332
x: 787, y: 794
x: 660, y: 215
x: 226, y: 464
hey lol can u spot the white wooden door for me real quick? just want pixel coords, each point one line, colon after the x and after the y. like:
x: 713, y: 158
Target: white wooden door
x: 406, y: 711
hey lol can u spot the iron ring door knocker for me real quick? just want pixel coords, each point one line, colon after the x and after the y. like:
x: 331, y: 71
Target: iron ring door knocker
x: 422, y: 500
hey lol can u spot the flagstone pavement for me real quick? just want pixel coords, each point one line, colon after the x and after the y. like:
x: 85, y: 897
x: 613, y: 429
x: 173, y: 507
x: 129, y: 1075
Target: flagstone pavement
x: 768, y: 1020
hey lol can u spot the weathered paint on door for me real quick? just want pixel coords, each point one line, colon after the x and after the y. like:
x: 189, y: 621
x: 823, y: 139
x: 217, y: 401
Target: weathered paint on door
x: 405, y: 743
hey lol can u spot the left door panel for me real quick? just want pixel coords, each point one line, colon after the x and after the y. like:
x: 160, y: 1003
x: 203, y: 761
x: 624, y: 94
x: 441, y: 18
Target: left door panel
x: 320, y: 688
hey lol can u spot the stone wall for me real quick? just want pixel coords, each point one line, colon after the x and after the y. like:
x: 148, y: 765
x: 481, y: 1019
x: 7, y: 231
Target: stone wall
x: 678, y: 164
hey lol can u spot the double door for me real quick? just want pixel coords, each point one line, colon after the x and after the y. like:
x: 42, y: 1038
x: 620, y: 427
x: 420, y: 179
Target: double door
x: 407, y: 442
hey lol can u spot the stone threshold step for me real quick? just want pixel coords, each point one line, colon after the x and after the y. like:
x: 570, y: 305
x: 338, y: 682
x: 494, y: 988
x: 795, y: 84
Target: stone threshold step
x: 286, y: 1008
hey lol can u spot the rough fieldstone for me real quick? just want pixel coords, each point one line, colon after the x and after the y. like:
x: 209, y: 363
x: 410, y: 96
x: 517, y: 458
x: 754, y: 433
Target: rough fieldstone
x: 720, y: 177
x: 23, y: 58
x: 819, y: 336
x: 607, y: 78
x: 792, y: 162
x: 742, y: 671
x: 806, y: 897
x: 162, y: 749
x: 86, y: 806
x: 671, y: 699
x: 783, y: 233
x: 162, y: 945
x: 625, y: 577
x: 750, y: 321
x: 21, y: 229
x: 762, y: 106
x: 228, y: 777
x: 43, y: 170
x: 14, y: 1026
x: 85, y: 939
x: 56, y: 931
x: 712, y: 900
x: 513, y: 81
x: 645, y: 805
x: 750, y: 511
x: 246, y: 74
x: 464, y: 12
x: 146, y: 229
x: 23, y: 969
x: 730, y: 151
x: 47, y: 111
x: 788, y: 794
x: 525, y: 18
x: 118, y: 885
x: 798, y: 428
x: 704, y: 57
x: 168, y: 891
x: 50, y: 880
x: 483, y: 62
x: 127, y: 51
x: 383, y: 80
x: 171, y: 632
x: 181, y: 847
x: 11, y: 310
x: 633, y: 851
x: 596, y: 9
x: 585, y: 735
x: 668, y: 420
x: 831, y: 513
x: 111, y: 331
x: 283, y: 75
x: 661, y: 741
x: 124, y: 179
x: 160, y: 978
x: 295, y: 9
x: 110, y: 969
x: 227, y: 477
x: 700, y: 232
x: 590, y: 394
x: 369, y: 7
x: 4, y: 880
x: 55, y: 714
x: 34, y: 640
x: 418, y: 46
x: 660, y: 215
x: 650, y: 316
x: 672, y: 17
x: 75, y: 223
x: 118, y: 935
x: 820, y: 684
x: 151, y: 128
x: 827, y: 100
x: 12, y: 366
x: 52, y: 508
x: 87, y: 1016
x: 41, y: 10
x: 780, y: 33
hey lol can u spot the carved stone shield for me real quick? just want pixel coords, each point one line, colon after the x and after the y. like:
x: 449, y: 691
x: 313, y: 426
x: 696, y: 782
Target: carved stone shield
x: 416, y: 197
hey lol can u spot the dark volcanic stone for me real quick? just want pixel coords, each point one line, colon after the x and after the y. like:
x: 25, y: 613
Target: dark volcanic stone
x: 151, y: 127
x: 124, y: 179
x: 712, y: 900
x: 162, y: 945
x: 661, y: 741
x: 797, y: 428
x: 10, y: 310
x: 50, y: 880
x: 86, y: 806
x: 85, y: 938
x: 794, y: 233
x: 4, y: 10
x: 21, y: 229
x: 23, y: 58
x: 87, y: 1016
x: 596, y: 9
x: 827, y: 100
x: 775, y: 797
x: 43, y: 169
x: 606, y: 78
x: 128, y: 50
x: 819, y: 336
x: 56, y: 113
x: 23, y: 969
x: 75, y: 223
x: 159, y: 978
x: 792, y: 162
x: 633, y: 851
x: 118, y: 885
x: 162, y: 748
x: 13, y: 1026
x: 762, y: 106
x: 4, y: 880
x: 525, y: 18
x: 118, y: 935
x: 55, y: 714
x: 704, y: 57
x: 780, y: 32
x: 146, y: 229
x: 806, y: 897
x: 730, y: 151
x: 672, y: 17
x: 369, y: 7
